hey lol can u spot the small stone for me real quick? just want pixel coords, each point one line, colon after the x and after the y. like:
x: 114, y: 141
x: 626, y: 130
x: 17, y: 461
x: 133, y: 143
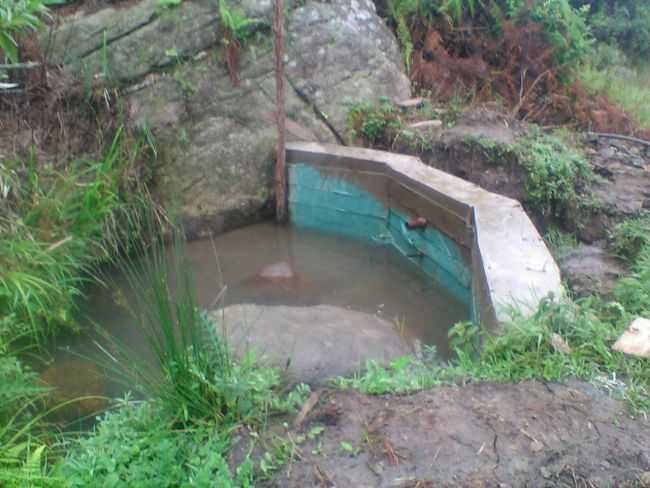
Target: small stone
x: 277, y: 271
x: 635, y: 341
x: 410, y: 103
x: 559, y: 344
x: 546, y: 473
x: 426, y: 124
x: 536, y: 446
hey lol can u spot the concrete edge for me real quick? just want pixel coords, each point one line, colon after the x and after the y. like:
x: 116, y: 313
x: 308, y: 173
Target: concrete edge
x: 511, y: 265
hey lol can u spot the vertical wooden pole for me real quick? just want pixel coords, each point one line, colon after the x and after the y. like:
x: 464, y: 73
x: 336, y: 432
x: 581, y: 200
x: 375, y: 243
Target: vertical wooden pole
x: 280, y: 166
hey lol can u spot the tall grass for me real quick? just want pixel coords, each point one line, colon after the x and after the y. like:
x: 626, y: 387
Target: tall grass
x: 609, y: 73
x: 195, y: 377
x: 56, y: 227
x: 58, y: 223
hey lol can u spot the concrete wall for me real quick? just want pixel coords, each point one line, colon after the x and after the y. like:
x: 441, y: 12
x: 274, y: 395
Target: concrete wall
x: 481, y: 246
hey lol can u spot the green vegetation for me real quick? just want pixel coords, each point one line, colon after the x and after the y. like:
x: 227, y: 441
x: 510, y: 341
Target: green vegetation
x: 560, y: 242
x: 554, y: 172
x: 57, y: 225
x: 377, y: 124
x: 563, y: 25
x: 18, y: 17
x: 634, y: 290
x: 200, y: 380
x: 629, y: 238
x: 608, y: 72
x: 526, y: 350
x: 59, y: 222
x: 623, y: 23
x: 137, y: 445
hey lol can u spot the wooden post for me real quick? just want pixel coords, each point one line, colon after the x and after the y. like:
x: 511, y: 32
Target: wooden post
x: 280, y: 165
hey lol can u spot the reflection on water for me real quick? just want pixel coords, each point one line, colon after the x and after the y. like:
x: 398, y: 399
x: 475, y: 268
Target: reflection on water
x: 265, y: 264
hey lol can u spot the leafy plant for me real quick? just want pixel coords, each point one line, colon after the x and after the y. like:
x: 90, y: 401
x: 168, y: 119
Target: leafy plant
x: 405, y: 374
x: 633, y: 291
x: 376, y: 124
x: 56, y: 227
x: 236, y: 27
x: 137, y: 445
x: 18, y: 17
x: 630, y: 237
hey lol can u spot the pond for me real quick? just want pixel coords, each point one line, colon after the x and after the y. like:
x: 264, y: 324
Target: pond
x: 322, y: 269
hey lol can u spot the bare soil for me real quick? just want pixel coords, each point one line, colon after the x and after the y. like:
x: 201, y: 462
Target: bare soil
x: 531, y: 434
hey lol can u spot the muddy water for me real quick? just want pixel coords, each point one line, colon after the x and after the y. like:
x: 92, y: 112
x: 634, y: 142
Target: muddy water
x: 324, y: 269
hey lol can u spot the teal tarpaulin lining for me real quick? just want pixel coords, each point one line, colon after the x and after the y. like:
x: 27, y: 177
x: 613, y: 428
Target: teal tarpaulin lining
x: 334, y: 205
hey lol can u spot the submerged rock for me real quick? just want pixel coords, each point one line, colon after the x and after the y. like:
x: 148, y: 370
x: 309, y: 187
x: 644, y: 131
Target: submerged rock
x: 79, y: 382
x: 312, y: 343
x: 277, y: 271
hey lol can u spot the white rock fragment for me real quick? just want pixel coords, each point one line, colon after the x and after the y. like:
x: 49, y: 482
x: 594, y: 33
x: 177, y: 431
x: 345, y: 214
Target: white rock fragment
x: 635, y: 341
x: 559, y: 344
x: 426, y: 124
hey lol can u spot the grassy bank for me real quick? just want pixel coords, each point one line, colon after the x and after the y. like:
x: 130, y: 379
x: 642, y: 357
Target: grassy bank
x: 59, y: 224
x: 531, y: 347
x: 610, y: 73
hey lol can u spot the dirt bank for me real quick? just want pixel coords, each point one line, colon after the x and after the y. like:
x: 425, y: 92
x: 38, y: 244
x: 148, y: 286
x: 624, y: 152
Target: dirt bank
x: 532, y: 434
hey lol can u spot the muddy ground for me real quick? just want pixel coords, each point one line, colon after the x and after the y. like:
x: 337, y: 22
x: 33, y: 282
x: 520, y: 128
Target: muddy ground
x: 533, y: 434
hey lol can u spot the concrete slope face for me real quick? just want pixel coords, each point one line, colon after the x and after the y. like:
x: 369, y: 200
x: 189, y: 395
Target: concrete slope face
x: 481, y: 246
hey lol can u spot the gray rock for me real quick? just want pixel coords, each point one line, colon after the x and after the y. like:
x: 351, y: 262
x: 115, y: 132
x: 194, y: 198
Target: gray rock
x: 216, y: 142
x: 317, y: 342
x: 590, y: 270
x: 341, y: 52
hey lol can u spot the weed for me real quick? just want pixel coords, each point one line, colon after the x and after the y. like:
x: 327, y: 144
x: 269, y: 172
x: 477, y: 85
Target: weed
x: 403, y: 375
x: 18, y: 17
x: 630, y: 237
x: 237, y: 28
x: 606, y: 73
x: 525, y: 350
x: 349, y: 448
x: 137, y: 445
x: 633, y: 291
x: 375, y: 123
x: 57, y: 226
x: 554, y: 171
x: 560, y: 242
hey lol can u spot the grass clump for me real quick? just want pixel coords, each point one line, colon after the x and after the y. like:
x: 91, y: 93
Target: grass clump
x: 554, y: 172
x: 634, y: 290
x: 402, y: 375
x: 377, y: 124
x: 526, y: 351
x: 630, y: 237
x: 58, y: 224
x: 195, y: 377
x: 199, y: 392
x: 608, y: 72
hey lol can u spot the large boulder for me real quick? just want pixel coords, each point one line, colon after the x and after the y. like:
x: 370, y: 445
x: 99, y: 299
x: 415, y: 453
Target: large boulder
x: 216, y: 141
x: 313, y: 344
